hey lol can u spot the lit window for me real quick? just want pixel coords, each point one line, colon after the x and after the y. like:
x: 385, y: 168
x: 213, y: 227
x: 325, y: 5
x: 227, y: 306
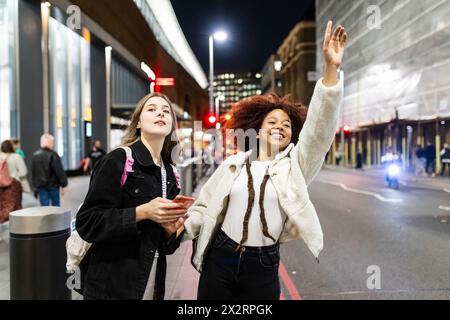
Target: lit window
x: 277, y: 65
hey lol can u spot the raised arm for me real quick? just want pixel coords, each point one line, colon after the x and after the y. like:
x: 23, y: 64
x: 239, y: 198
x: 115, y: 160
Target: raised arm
x: 319, y: 129
x: 333, y: 52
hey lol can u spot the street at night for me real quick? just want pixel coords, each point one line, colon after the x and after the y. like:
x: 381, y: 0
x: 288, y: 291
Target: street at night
x: 408, y: 239
x: 225, y: 151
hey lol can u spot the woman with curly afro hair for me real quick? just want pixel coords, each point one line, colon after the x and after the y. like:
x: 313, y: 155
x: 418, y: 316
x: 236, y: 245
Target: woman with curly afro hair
x: 258, y: 198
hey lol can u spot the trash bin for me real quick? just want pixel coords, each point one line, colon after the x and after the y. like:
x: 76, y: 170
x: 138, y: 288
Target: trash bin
x: 38, y: 253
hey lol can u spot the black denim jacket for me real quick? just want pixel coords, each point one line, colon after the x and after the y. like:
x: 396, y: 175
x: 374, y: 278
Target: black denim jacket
x: 118, y: 263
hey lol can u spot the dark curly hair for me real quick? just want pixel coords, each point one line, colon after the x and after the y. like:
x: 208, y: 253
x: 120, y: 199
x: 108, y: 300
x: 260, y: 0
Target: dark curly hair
x: 251, y: 112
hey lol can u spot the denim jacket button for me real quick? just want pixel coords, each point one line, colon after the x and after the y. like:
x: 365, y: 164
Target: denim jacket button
x: 136, y: 190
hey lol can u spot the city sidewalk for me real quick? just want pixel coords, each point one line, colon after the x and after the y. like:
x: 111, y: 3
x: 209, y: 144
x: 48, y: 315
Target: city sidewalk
x: 408, y: 179
x: 182, y: 279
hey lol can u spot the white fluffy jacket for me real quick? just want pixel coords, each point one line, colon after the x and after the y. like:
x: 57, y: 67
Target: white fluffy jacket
x: 291, y: 172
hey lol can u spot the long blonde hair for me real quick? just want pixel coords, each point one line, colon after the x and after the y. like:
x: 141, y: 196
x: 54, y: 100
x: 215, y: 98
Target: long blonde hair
x: 133, y: 133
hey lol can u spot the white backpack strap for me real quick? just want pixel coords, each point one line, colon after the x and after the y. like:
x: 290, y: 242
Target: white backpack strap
x: 128, y: 152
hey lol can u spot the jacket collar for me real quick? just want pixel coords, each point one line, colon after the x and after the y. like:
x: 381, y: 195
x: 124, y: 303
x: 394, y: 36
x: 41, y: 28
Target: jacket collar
x: 142, y: 155
x: 241, y: 157
x: 144, y: 158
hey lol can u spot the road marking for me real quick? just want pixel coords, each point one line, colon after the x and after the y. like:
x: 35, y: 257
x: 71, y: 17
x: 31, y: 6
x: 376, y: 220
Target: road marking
x: 444, y: 208
x: 408, y: 291
x: 447, y: 190
x: 289, y: 284
x: 368, y: 193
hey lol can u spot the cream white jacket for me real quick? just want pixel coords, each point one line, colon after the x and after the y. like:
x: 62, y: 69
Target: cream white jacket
x: 291, y: 172
x: 16, y: 165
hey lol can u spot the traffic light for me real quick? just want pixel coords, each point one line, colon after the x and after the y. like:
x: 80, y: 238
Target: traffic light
x: 211, y: 120
x: 347, y: 130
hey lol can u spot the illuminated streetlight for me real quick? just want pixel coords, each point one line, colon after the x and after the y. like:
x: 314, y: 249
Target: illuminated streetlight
x: 219, y: 36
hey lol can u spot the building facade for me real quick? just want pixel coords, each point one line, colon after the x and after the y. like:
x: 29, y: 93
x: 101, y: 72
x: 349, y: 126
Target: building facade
x: 232, y: 87
x: 298, y: 57
x: 77, y: 69
x: 396, y: 75
x: 271, y: 79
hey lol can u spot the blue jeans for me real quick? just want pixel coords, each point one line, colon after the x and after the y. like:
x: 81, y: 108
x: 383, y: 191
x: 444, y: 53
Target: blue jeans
x: 249, y: 274
x: 49, y: 194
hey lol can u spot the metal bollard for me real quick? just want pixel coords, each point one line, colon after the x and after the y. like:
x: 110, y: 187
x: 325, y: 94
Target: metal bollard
x: 38, y: 253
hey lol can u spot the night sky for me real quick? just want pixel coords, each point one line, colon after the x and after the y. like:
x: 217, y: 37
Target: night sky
x: 256, y: 29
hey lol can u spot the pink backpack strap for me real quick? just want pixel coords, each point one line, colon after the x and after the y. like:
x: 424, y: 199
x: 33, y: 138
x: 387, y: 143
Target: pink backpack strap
x: 177, y: 176
x: 128, y: 165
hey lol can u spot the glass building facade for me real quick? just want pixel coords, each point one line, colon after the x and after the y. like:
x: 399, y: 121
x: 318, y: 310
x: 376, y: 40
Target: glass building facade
x: 8, y: 96
x: 69, y: 83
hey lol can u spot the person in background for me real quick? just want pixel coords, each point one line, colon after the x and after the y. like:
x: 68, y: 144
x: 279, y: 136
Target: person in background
x: 359, y: 160
x: 94, y: 156
x: 338, y: 157
x: 420, y: 160
x: 11, y: 195
x: 16, y: 143
x: 48, y: 176
x: 430, y: 155
x: 445, y: 156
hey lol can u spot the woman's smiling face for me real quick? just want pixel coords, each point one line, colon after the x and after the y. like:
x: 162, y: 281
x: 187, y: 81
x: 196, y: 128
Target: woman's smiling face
x: 276, y: 130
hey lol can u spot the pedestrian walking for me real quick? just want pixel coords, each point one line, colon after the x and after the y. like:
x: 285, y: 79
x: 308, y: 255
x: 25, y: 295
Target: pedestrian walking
x: 445, y: 157
x: 359, y: 160
x: 421, y: 161
x: 16, y: 143
x: 338, y: 157
x: 48, y: 176
x: 258, y: 199
x: 94, y: 156
x: 12, y: 171
x: 430, y: 156
x: 131, y: 220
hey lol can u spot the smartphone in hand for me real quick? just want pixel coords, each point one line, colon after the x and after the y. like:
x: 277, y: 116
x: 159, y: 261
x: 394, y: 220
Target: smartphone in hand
x: 185, y: 201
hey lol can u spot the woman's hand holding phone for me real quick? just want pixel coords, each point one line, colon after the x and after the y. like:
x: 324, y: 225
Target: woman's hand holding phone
x: 161, y: 211
x: 185, y: 201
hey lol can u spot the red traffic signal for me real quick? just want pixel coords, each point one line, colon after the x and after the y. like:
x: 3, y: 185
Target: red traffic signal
x: 211, y: 120
x: 347, y: 130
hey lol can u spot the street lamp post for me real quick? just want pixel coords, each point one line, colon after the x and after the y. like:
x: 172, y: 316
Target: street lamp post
x: 220, y: 36
x: 211, y: 73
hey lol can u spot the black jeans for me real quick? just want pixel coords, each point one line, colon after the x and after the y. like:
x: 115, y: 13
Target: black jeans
x: 249, y: 274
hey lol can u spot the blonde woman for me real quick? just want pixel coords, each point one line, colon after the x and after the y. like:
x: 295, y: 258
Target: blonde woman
x: 132, y: 228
